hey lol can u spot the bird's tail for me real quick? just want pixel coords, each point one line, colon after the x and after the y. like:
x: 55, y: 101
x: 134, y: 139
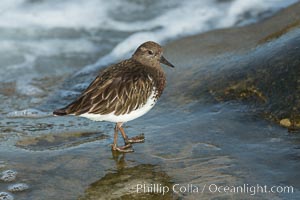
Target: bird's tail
x: 60, y: 112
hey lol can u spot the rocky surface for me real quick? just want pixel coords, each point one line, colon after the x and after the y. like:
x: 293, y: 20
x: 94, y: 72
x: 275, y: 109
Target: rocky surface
x: 256, y: 64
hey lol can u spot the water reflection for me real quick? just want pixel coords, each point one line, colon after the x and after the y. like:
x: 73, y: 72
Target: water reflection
x: 119, y: 158
x: 144, y: 181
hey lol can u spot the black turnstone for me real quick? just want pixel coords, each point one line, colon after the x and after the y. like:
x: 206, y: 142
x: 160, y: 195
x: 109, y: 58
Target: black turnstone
x: 123, y: 92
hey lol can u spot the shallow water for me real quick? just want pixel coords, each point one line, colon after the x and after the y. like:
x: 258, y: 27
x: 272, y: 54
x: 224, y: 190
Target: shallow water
x: 201, y: 145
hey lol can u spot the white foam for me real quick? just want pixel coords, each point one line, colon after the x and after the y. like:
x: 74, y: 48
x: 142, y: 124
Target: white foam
x: 253, y: 8
x: 18, y: 187
x: 31, y: 113
x: 190, y: 17
x: 180, y: 19
x: 49, y: 14
x: 49, y: 47
x: 97, y: 13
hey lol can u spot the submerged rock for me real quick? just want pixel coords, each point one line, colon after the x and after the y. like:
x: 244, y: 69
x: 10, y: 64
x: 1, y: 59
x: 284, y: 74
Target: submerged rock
x: 123, y: 185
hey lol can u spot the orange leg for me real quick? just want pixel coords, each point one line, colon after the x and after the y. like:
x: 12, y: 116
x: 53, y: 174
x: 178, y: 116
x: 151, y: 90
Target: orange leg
x: 123, y: 149
x: 137, y: 139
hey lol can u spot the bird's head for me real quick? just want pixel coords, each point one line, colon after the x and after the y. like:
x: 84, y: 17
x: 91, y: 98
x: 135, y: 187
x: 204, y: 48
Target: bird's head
x: 150, y: 54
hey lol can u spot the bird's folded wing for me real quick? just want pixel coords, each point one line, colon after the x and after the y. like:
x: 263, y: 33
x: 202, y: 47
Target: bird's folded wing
x: 117, y: 94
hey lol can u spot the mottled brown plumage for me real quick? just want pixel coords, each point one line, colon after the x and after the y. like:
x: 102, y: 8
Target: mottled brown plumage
x: 123, y: 88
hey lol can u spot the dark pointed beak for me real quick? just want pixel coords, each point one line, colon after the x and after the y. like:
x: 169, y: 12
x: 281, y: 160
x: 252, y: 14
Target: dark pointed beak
x: 165, y: 61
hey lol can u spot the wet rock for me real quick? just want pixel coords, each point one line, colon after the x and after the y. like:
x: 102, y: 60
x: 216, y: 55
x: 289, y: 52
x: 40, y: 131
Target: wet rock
x: 257, y: 65
x: 8, y: 175
x: 6, y: 196
x: 285, y: 122
x: 18, y: 187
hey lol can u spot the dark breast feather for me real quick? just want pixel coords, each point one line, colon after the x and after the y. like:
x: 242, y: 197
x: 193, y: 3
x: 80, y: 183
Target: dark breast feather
x: 118, y: 89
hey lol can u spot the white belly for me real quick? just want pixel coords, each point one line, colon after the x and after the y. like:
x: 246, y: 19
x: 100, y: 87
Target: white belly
x: 126, y: 117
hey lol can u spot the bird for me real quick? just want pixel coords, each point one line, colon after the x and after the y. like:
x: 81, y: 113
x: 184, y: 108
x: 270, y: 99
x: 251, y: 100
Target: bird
x: 123, y: 92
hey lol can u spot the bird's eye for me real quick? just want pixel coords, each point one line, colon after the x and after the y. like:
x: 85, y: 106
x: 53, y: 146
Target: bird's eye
x: 150, y: 52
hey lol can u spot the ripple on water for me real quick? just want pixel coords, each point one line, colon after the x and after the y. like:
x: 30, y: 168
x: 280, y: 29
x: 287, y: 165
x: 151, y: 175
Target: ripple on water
x: 6, y: 196
x: 59, y: 141
x: 30, y: 113
x: 2, y: 164
x: 8, y: 175
x: 18, y: 187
